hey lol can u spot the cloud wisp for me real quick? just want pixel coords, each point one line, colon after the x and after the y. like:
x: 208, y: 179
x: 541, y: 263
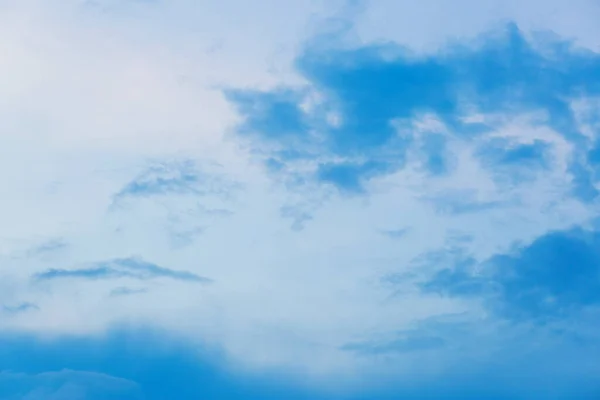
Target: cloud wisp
x: 134, y: 268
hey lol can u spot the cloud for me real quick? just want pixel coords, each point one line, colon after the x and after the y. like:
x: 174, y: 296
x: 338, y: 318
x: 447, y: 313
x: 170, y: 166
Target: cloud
x: 125, y: 291
x: 65, y: 384
x: 396, y: 233
x: 121, y: 268
x: 461, y: 201
x: 48, y: 247
x: 416, y: 342
x: 186, y: 197
x: 19, y: 308
x: 156, y: 180
x: 176, y: 177
x: 276, y: 149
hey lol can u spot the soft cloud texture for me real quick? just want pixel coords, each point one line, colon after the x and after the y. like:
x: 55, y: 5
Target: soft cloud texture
x: 295, y: 193
x: 65, y: 385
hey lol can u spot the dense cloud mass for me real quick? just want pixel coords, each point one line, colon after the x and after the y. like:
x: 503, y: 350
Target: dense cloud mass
x: 317, y: 199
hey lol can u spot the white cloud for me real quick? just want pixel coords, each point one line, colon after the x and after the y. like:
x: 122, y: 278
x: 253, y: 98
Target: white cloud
x: 433, y: 23
x: 90, y: 93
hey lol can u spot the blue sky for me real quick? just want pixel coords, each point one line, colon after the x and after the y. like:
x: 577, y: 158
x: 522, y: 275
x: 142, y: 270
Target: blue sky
x: 336, y: 200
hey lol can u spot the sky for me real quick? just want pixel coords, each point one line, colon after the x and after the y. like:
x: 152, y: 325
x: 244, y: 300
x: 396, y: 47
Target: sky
x: 309, y: 199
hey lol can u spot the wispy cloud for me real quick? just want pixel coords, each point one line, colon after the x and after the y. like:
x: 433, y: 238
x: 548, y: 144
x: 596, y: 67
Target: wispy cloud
x: 417, y: 342
x: 462, y: 202
x: 121, y: 268
x: 176, y: 177
x: 126, y: 291
x: 396, y: 233
x: 49, y: 246
x: 19, y: 308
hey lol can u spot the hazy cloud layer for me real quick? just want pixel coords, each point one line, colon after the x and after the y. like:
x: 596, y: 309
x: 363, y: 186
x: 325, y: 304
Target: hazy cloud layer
x: 294, y: 193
